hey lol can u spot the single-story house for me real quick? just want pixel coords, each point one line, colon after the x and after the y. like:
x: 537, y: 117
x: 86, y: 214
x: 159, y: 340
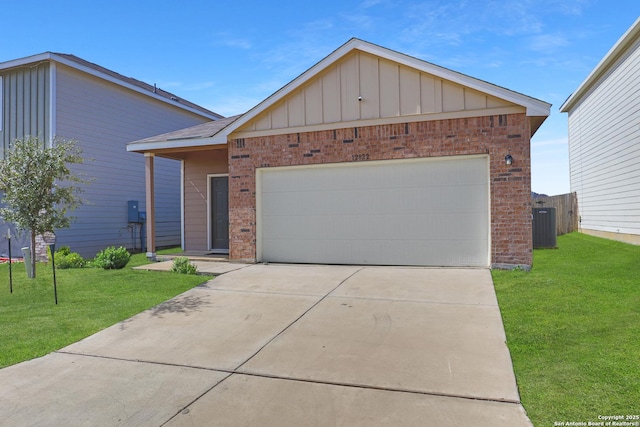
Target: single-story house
x: 604, y: 143
x: 53, y: 95
x: 369, y: 157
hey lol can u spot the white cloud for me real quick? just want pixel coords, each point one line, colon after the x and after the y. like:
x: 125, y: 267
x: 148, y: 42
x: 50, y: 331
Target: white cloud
x: 370, y: 3
x: 233, y: 41
x: 574, y: 7
x: 233, y: 105
x: 241, y: 43
x: 547, y: 42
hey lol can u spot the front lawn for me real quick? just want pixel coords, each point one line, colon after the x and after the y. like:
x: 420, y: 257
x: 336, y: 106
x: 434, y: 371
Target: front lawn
x: 89, y: 300
x: 573, y: 329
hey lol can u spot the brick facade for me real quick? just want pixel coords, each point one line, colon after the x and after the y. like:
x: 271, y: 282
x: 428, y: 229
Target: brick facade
x: 510, y: 186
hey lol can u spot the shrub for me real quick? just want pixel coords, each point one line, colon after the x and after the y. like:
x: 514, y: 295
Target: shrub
x: 112, y: 258
x: 70, y: 260
x: 182, y: 265
x: 63, y: 251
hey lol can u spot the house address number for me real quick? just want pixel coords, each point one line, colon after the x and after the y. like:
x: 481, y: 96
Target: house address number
x: 360, y: 157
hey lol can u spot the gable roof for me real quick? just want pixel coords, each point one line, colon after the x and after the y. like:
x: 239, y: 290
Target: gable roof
x: 111, y: 76
x: 536, y: 109
x: 622, y: 46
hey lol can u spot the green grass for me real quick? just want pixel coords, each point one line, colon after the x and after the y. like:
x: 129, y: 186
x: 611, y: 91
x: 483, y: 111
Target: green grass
x: 89, y: 300
x: 573, y: 329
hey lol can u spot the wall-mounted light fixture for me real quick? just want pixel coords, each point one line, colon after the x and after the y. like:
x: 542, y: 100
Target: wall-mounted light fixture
x: 508, y: 159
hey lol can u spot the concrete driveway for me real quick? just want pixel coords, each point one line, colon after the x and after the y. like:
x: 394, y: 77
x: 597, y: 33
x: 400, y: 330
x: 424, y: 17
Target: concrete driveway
x: 283, y: 345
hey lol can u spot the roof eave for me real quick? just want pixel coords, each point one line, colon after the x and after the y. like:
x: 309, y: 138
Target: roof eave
x: 130, y: 86
x: 141, y: 147
x: 614, y: 54
x: 50, y: 56
x: 46, y: 56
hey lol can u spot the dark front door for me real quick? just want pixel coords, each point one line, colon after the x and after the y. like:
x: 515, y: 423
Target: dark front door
x: 219, y: 198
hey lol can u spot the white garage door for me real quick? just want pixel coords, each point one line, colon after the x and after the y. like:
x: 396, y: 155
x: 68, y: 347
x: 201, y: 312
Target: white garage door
x: 432, y: 212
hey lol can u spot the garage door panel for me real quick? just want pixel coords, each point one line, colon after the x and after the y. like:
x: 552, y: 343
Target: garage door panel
x: 444, y: 173
x: 401, y: 200
x: 407, y: 212
x: 375, y: 226
x: 335, y: 251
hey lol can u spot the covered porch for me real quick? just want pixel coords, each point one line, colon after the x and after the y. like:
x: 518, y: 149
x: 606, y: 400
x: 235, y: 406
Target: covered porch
x: 203, y: 185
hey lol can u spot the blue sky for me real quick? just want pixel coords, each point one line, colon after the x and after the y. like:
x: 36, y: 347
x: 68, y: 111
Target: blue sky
x: 229, y: 56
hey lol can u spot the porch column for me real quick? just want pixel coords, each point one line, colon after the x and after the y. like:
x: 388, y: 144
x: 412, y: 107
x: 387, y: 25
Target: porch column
x: 150, y: 205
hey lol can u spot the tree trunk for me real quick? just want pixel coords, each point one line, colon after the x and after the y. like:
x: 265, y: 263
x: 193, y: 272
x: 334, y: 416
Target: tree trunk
x: 33, y: 253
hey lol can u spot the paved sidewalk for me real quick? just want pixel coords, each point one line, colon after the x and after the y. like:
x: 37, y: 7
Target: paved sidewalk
x: 285, y: 345
x: 204, y: 267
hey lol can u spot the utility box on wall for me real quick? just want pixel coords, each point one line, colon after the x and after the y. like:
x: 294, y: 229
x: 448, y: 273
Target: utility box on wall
x: 544, y: 228
x: 133, y: 210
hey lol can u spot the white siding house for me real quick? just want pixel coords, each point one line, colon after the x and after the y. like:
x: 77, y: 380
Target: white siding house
x: 604, y: 142
x: 57, y: 95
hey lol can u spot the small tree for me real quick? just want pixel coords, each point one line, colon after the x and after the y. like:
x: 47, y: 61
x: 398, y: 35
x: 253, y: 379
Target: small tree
x: 39, y: 187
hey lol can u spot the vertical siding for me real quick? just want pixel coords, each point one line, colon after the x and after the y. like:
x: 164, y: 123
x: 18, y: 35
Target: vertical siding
x: 197, y: 165
x: 25, y: 103
x: 350, y: 88
x: 313, y: 103
x: 369, y: 78
x: 331, y: 105
x: 604, y: 150
x: 387, y: 89
x: 24, y: 111
x: 103, y: 118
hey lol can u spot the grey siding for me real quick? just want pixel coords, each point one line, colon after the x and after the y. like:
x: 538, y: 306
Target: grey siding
x: 604, y: 148
x: 25, y: 109
x: 19, y: 239
x: 25, y: 103
x: 103, y: 117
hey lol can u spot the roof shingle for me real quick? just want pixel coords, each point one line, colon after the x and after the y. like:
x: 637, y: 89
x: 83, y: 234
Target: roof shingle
x: 204, y: 130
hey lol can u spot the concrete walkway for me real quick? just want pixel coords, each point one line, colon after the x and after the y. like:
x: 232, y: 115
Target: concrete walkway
x: 204, y: 267
x: 282, y: 345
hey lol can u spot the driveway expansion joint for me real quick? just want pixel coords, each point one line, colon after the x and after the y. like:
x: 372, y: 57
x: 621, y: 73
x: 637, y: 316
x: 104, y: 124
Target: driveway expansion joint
x: 150, y: 362
x: 244, y: 291
x: 238, y: 371
x: 418, y: 301
x: 380, y: 388
x: 299, y: 317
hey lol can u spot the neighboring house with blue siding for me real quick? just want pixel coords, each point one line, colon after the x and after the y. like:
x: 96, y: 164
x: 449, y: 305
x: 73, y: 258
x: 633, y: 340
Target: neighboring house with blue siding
x: 604, y: 143
x: 53, y: 95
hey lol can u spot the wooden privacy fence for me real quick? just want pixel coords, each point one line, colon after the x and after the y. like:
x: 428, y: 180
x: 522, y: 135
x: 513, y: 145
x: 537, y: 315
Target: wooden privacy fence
x: 566, y: 210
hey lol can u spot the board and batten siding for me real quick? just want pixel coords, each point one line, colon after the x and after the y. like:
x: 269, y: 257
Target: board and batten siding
x: 25, y: 108
x: 24, y: 111
x: 103, y: 117
x: 604, y: 150
x: 362, y: 86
